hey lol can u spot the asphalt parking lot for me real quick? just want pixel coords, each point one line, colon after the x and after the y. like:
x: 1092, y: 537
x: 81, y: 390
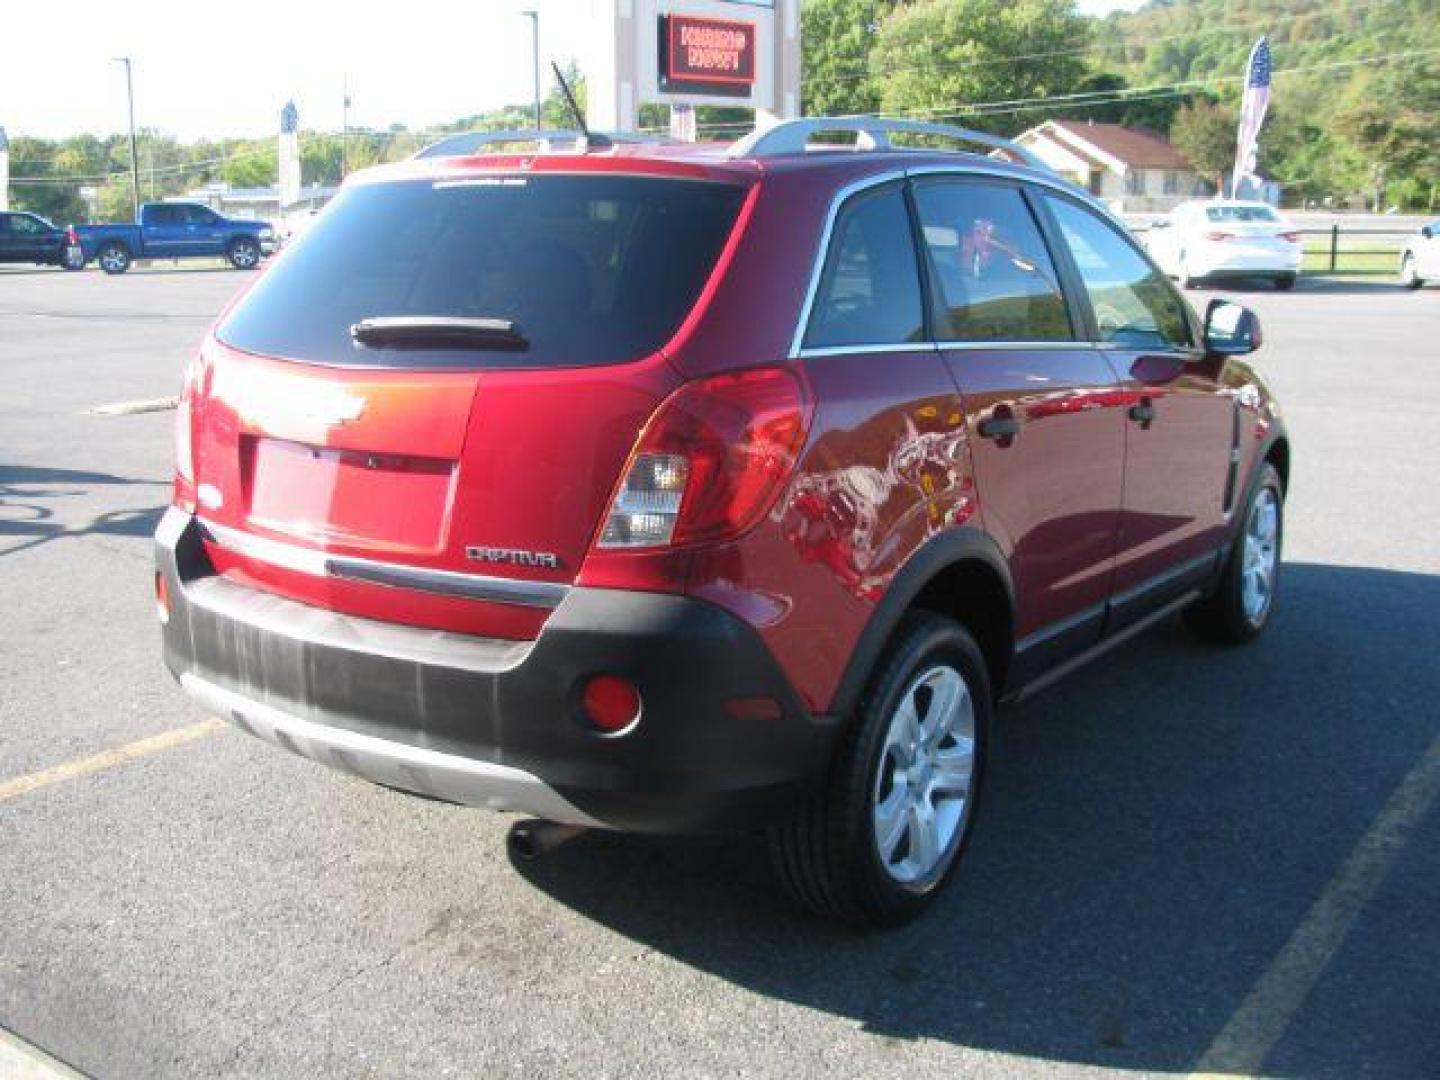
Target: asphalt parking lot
x: 1191, y: 859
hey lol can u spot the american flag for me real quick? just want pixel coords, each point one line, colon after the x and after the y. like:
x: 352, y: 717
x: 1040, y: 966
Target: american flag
x: 1252, y: 113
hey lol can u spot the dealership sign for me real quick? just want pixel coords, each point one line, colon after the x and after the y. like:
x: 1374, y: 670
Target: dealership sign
x: 706, y: 56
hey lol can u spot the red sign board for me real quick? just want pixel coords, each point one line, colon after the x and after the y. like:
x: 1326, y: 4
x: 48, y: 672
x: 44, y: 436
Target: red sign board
x: 706, y: 56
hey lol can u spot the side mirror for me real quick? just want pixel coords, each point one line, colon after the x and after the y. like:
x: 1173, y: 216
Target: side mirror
x: 1231, y: 330
x: 1426, y: 231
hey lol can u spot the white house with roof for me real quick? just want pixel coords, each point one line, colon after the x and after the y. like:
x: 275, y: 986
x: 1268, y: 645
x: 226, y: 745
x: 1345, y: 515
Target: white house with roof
x: 1132, y: 169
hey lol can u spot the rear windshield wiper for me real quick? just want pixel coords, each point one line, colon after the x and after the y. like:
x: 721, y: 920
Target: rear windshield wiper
x: 439, y: 332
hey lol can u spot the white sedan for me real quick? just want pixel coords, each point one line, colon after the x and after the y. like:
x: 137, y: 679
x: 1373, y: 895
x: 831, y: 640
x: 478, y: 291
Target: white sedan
x: 1225, y: 238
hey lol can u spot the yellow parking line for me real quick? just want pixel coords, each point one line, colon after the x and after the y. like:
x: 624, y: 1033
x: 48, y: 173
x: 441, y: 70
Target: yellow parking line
x: 23, y: 785
x: 1265, y: 1014
x: 21, y: 1061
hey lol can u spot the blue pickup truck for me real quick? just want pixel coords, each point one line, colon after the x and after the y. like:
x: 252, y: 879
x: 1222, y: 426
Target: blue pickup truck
x: 176, y: 230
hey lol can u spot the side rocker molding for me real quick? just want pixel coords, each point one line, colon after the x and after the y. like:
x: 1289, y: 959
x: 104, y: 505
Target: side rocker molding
x: 963, y: 544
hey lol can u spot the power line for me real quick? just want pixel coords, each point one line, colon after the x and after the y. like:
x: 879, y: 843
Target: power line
x: 1097, y: 98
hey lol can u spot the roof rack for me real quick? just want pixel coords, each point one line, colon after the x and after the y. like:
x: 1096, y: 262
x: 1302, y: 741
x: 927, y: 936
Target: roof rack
x: 873, y: 133
x: 474, y: 142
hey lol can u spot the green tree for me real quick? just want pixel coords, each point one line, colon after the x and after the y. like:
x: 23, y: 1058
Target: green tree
x: 836, y: 38
x: 1150, y: 112
x: 254, y: 168
x: 935, y: 58
x: 1392, y: 123
x: 1205, y: 133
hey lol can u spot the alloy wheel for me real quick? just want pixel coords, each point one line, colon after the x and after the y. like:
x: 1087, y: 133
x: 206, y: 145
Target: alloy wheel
x: 922, y: 793
x: 1261, y: 555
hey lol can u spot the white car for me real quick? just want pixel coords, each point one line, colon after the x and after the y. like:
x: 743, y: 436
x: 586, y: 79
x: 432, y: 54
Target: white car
x: 1225, y: 238
x: 1420, y: 257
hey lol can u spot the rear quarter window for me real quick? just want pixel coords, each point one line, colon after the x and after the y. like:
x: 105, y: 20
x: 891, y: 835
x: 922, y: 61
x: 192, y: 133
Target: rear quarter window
x: 591, y: 269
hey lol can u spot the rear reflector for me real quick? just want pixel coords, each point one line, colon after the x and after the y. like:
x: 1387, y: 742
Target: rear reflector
x: 611, y: 703
x: 1217, y: 236
x: 711, y: 461
x: 162, y: 598
x: 1290, y: 237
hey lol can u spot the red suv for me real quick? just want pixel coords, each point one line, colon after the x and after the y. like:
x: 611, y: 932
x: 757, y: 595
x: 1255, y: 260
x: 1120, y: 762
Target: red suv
x: 676, y: 489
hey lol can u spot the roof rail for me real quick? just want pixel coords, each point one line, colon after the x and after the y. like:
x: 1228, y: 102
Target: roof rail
x: 474, y: 142
x: 873, y: 133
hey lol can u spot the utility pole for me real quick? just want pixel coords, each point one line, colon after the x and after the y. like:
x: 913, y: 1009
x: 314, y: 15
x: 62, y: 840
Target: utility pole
x: 534, y: 17
x: 134, y: 153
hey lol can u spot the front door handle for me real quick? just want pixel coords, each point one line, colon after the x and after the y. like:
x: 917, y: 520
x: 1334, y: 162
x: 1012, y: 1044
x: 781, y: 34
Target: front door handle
x: 1001, y: 425
x: 1143, y: 412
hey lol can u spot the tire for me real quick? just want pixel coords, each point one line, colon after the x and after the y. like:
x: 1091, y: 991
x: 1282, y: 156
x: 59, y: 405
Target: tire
x: 828, y: 854
x: 72, y: 258
x: 244, y: 253
x: 1285, y: 282
x: 114, y: 258
x: 1239, y: 609
x: 1408, y: 277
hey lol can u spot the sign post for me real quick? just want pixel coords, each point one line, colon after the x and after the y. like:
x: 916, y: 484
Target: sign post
x: 693, y: 52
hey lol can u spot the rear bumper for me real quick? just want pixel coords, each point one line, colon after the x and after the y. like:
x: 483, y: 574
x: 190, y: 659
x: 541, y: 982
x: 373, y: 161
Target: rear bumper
x: 1244, y: 263
x: 723, y: 742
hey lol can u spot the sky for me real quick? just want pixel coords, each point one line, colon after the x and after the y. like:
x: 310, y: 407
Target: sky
x: 416, y: 63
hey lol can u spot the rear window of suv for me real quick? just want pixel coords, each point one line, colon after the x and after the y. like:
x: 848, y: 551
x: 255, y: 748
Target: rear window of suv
x: 589, y: 269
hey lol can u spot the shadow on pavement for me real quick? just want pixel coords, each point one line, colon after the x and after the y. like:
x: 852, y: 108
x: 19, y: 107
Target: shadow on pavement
x: 26, y: 511
x: 1307, y: 283
x: 1154, y: 830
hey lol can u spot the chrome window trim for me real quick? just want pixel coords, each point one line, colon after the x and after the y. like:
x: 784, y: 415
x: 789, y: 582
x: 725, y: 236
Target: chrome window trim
x: 944, y: 346
x: 536, y: 594
x: 844, y: 350
x: 797, y: 349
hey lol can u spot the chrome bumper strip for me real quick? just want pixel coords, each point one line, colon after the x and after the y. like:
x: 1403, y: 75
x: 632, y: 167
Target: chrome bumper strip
x: 537, y: 594
x: 438, y: 775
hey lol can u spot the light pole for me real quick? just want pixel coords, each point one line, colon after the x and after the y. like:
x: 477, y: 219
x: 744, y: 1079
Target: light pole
x: 534, y: 17
x: 134, y: 154
x: 344, y: 126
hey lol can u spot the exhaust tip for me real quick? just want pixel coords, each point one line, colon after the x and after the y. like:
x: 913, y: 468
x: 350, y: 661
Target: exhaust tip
x: 528, y: 840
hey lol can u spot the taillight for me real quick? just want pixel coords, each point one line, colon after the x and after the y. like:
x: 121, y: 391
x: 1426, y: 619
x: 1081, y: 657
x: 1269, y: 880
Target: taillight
x: 1290, y: 237
x: 72, y: 237
x: 1218, y: 236
x: 184, y: 425
x: 711, y: 461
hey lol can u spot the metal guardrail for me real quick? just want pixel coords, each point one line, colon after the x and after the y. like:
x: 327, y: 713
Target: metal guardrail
x: 1334, y: 252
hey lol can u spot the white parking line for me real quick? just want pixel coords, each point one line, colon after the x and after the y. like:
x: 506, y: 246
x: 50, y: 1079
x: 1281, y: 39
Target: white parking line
x: 21, y: 1061
x: 1265, y: 1014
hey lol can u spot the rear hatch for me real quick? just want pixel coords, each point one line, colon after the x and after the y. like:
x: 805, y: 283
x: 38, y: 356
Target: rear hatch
x: 420, y: 412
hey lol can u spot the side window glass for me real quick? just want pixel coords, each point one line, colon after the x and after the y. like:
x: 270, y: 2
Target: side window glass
x: 198, y: 215
x: 25, y: 226
x: 993, y: 274
x: 160, y: 215
x: 1134, y: 305
x: 870, y: 289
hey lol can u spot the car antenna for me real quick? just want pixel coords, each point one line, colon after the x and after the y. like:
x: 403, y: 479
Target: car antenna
x: 598, y: 142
